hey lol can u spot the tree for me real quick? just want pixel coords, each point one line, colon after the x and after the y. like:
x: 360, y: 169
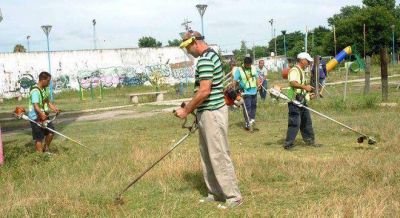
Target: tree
x: 294, y: 44
x: 19, y: 48
x: 241, y: 53
x: 148, y: 42
x: 174, y: 42
x: 378, y: 17
x: 260, y: 51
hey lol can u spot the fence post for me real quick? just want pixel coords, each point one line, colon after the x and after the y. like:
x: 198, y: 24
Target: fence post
x: 367, y: 75
x: 345, y: 82
x: 1, y: 149
x: 316, y: 76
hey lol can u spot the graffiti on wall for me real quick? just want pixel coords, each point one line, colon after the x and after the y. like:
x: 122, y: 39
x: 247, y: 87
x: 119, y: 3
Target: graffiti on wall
x: 18, y: 83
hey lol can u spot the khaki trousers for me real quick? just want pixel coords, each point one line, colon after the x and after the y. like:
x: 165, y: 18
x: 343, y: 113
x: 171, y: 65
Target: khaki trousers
x: 218, y: 170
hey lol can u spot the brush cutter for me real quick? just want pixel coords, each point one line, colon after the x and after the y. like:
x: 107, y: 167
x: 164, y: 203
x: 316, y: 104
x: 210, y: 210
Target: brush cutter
x: 19, y: 113
x: 191, y: 129
x: 276, y: 92
x: 233, y: 96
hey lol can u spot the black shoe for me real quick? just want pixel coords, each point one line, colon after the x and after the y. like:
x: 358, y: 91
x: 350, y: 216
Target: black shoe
x: 288, y: 147
x: 313, y: 144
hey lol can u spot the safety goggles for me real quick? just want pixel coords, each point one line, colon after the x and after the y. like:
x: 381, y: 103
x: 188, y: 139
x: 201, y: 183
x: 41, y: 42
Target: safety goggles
x: 187, y: 42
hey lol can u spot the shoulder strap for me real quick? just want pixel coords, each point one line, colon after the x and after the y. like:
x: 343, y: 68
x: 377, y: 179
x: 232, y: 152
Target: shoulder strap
x: 40, y: 91
x: 300, y: 72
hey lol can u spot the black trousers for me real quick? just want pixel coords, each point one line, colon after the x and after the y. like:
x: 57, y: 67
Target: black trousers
x: 299, y: 119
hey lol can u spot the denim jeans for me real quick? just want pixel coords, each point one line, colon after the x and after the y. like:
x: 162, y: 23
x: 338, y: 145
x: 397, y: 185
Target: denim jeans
x: 250, y: 102
x: 299, y: 119
x: 263, y: 92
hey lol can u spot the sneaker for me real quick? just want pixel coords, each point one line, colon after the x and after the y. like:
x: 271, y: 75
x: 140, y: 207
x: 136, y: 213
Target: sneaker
x: 252, y: 121
x: 209, y: 198
x: 230, y: 204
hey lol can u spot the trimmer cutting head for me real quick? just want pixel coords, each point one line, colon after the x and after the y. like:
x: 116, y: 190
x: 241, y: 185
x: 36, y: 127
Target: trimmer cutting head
x: 118, y: 200
x: 371, y: 140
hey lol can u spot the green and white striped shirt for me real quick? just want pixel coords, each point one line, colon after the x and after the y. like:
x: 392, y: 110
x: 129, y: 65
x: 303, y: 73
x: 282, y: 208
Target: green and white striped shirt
x: 209, y: 67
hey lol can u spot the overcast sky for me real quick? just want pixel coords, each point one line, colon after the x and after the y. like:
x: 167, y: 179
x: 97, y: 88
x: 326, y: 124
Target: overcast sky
x: 120, y: 23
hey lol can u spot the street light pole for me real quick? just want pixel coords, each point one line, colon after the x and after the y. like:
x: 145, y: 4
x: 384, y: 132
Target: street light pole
x: 202, y: 9
x: 284, y: 41
x: 46, y: 30
x: 276, y: 53
x: 305, y: 40
x: 27, y: 41
x: 272, y: 31
x: 94, y: 34
x: 393, y: 51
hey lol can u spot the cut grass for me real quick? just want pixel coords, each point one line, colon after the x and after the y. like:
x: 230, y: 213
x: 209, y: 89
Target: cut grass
x: 341, y: 178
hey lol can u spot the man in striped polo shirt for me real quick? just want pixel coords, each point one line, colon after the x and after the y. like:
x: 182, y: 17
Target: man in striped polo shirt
x: 212, y: 117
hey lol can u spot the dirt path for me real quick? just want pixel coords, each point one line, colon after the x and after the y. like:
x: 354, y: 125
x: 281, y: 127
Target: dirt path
x: 111, y: 113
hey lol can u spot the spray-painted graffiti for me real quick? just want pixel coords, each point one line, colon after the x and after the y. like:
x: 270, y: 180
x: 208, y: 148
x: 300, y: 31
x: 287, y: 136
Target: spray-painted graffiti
x: 131, y: 76
x: 19, y: 84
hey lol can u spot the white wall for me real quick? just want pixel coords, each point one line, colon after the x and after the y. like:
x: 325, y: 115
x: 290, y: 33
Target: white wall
x: 111, y: 66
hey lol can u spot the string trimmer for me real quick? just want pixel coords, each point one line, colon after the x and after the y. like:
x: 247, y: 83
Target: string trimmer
x: 19, y: 113
x: 191, y: 129
x: 277, y: 93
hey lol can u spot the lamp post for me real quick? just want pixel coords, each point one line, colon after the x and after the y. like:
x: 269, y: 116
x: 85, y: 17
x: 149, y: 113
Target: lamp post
x: 305, y: 41
x: 273, y: 33
x: 46, y: 30
x: 202, y: 9
x: 284, y: 41
x: 94, y: 34
x: 393, y: 51
x: 27, y: 42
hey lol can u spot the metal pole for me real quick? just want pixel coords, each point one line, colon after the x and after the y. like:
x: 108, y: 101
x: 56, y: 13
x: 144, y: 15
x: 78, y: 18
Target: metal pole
x: 312, y: 43
x: 202, y: 26
x: 345, y: 83
x: 276, y: 53
x: 316, y: 76
x: 27, y: 40
x: 272, y: 31
x: 305, y: 40
x: 284, y: 41
x: 46, y: 30
x: 202, y: 9
x: 94, y: 34
x: 48, y: 57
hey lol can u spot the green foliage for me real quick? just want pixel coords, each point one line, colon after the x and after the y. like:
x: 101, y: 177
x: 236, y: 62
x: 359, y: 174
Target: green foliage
x: 148, y: 42
x: 378, y: 17
x: 260, y: 51
x: 174, y: 42
x: 241, y: 53
x: 19, y: 48
x: 294, y: 44
x: 388, y: 4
